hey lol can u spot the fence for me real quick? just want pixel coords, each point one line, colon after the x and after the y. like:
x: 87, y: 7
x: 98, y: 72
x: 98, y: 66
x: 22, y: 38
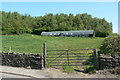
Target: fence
x: 58, y: 58
x: 76, y: 57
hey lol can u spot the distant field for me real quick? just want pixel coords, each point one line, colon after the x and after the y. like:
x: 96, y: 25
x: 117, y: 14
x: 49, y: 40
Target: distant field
x: 27, y: 43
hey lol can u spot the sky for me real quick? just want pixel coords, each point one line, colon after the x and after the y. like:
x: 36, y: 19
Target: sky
x: 107, y: 10
x: 60, y: 0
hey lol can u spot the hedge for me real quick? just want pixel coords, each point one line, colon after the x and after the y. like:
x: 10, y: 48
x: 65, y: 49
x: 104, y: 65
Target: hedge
x: 111, y: 45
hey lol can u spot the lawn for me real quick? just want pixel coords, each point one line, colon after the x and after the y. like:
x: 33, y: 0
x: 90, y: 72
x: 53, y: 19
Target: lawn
x: 28, y: 43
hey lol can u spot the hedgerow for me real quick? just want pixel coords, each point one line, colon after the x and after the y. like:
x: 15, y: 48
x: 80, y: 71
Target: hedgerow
x: 111, y: 45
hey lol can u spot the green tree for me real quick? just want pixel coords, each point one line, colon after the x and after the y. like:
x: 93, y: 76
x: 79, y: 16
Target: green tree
x: 15, y: 23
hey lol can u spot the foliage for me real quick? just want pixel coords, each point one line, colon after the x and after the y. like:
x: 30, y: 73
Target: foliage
x: 111, y: 45
x: 113, y: 34
x: 90, y: 69
x: 15, y: 23
x: 28, y: 43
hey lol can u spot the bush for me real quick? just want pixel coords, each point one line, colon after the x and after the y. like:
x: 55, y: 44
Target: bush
x: 101, y: 34
x: 111, y: 45
x: 113, y: 34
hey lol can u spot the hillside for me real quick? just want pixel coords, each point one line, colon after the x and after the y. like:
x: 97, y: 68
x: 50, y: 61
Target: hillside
x: 27, y: 43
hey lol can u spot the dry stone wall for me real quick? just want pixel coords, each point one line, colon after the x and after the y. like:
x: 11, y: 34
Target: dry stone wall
x: 109, y: 61
x: 33, y: 61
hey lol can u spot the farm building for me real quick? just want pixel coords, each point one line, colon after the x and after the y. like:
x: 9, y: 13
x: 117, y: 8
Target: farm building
x: 80, y: 33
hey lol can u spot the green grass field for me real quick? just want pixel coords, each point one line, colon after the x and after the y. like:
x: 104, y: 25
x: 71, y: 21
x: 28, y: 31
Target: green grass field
x: 28, y: 43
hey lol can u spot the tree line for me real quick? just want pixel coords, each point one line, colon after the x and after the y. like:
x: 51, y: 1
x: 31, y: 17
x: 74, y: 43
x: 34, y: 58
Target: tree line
x: 15, y: 23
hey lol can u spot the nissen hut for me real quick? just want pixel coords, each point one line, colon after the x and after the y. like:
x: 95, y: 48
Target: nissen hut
x: 80, y: 33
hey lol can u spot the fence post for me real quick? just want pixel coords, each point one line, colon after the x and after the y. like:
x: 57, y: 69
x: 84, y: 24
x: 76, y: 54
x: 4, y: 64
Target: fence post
x: 9, y: 50
x: 96, y: 59
x: 44, y: 55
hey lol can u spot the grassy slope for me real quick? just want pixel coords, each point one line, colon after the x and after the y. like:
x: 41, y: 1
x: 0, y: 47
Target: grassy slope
x: 28, y: 43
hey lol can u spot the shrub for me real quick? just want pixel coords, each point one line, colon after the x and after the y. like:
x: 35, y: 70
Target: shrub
x: 111, y: 45
x: 101, y: 34
x: 113, y: 34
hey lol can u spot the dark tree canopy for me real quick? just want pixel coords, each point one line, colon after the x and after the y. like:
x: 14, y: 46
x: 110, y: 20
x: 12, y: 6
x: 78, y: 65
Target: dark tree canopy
x: 15, y: 23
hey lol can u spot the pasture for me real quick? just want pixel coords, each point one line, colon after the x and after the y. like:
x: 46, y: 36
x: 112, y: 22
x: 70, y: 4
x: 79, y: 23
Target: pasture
x: 28, y: 43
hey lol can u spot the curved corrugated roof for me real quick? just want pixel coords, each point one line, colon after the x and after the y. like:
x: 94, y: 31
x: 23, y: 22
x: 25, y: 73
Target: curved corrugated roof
x: 80, y: 31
